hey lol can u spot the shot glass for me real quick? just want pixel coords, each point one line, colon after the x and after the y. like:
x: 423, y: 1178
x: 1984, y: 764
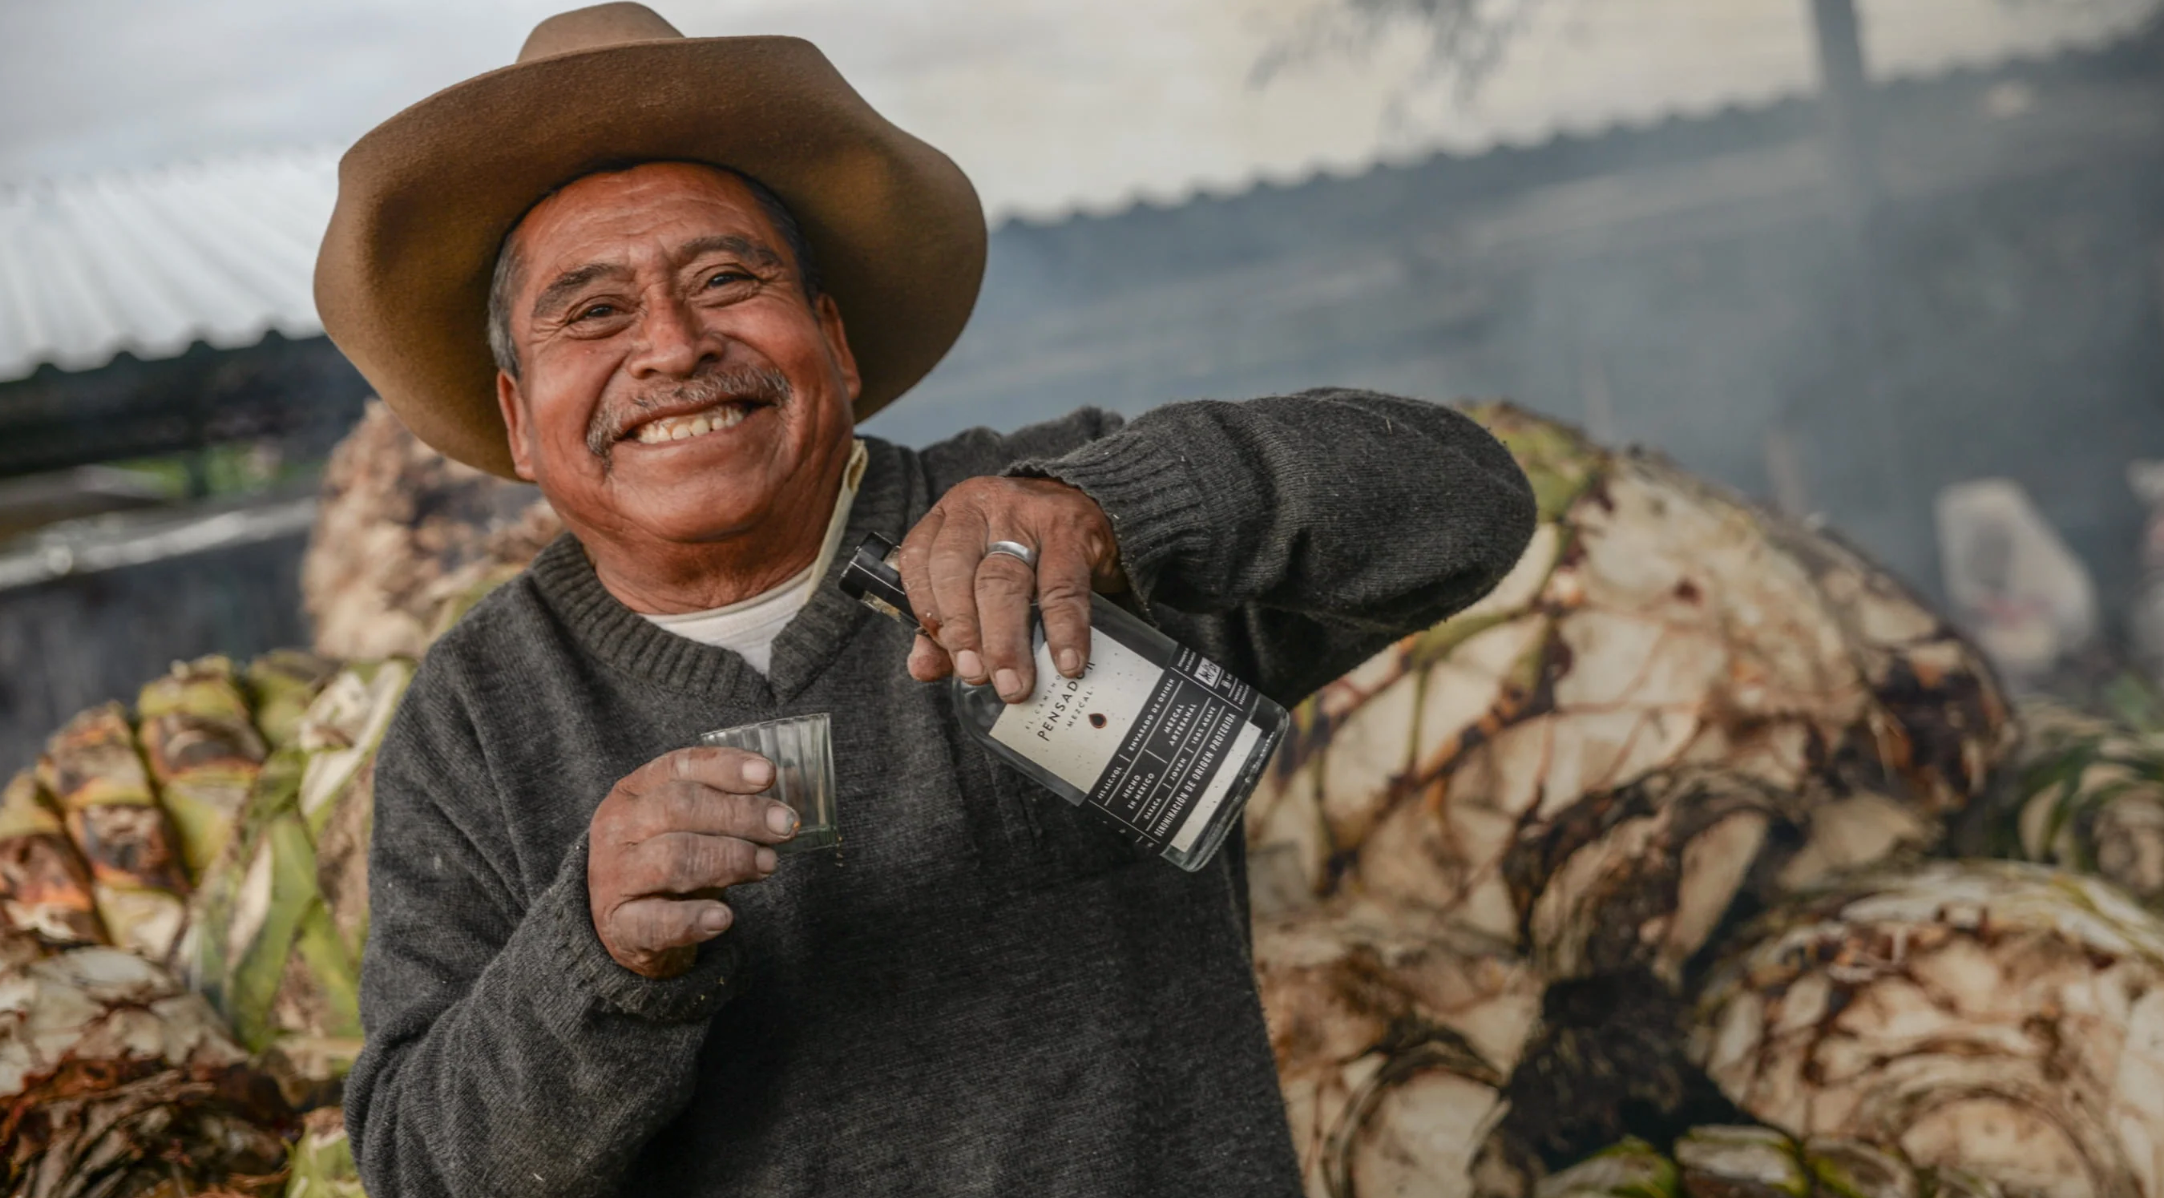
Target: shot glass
x: 802, y: 750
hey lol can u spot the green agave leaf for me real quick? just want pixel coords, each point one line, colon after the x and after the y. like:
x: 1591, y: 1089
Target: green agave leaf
x: 334, y: 972
x: 1559, y: 461
x: 275, y: 900
x: 1630, y: 1168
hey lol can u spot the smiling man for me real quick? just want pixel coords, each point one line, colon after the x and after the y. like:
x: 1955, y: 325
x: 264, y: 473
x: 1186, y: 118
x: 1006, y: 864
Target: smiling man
x: 664, y: 278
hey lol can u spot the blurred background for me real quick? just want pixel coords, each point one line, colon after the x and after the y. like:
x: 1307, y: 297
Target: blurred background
x: 1895, y: 265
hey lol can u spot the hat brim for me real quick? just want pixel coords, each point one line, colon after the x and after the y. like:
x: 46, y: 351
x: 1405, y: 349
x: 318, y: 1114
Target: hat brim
x: 426, y: 198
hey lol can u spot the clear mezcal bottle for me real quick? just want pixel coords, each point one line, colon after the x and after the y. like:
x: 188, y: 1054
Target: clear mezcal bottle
x: 1153, y: 737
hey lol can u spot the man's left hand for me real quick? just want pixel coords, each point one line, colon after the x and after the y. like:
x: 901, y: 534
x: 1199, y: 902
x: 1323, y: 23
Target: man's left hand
x: 975, y: 604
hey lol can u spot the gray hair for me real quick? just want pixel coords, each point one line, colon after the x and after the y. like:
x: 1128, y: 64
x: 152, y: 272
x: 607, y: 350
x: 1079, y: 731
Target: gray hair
x: 504, y: 280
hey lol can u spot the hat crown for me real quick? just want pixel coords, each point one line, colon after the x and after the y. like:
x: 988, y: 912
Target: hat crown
x: 595, y: 27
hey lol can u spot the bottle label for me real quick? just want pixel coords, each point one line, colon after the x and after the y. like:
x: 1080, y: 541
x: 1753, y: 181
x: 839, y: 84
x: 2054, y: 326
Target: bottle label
x: 1153, y: 743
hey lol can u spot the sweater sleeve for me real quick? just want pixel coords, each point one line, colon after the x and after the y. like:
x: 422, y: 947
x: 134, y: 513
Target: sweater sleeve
x: 506, y: 1051
x: 1293, y: 537
x: 981, y: 451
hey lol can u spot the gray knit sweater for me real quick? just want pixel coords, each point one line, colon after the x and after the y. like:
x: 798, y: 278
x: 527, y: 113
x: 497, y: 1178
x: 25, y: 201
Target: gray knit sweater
x: 983, y: 992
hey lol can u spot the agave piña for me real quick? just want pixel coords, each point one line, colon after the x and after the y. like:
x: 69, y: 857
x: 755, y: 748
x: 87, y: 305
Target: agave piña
x: 281, y: 924
x: 1393, y: 1047
x: 2092, y: 797
x: 204, y: 752
x: 1757, y: 1162
x: 1612, y: 736
x: 115, y: 1082
x: 1999, y: 1017
x: 45, y: 888
x: 406, y: 540
x: 94, y: 770
x: 321, y: 1164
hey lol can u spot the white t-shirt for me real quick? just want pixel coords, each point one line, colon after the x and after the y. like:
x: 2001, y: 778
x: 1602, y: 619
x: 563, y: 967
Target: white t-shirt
x: 748, y: 627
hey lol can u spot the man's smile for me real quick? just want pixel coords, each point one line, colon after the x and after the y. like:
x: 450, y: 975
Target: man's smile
x: 682, y: 426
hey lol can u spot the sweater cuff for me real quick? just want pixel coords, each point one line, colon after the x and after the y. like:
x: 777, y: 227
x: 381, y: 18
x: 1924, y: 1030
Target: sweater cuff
x: 688, y: 997
x: 1145, y: 489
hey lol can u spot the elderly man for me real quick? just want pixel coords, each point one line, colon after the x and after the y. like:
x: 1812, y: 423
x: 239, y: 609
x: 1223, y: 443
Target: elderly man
x: 662, y: 278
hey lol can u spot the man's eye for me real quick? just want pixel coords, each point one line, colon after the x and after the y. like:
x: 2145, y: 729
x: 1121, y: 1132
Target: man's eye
x: 722, y: 278
x: 595, y: 311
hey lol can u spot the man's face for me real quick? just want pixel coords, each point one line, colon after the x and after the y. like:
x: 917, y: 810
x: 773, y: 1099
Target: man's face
x: 674, y: 383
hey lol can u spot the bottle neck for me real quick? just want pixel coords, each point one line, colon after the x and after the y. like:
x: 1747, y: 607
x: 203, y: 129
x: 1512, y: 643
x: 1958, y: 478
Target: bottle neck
x: 872, y: 579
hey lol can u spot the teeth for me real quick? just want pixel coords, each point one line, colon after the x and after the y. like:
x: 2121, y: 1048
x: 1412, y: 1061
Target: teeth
x: 678, y: 428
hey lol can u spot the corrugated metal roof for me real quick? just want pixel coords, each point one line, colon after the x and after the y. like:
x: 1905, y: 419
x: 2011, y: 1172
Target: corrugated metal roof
x: 151, y: 261
x: 221, y: 252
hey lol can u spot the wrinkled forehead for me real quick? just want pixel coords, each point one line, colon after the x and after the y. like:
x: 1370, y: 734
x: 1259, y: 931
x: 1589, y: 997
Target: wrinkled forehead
x: 600, y: 216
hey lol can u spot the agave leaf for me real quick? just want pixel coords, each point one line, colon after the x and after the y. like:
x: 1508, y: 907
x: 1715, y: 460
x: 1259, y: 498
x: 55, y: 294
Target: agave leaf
x: 322, y: 1160
x: 342, y: 728
x: 2092, y: 798
x: 282, y: 683
x: 149, y: 923
x: 45, y: 888
x: 1419, y: 1122
x: 1741, y: 1162
x: 113, y: 1080
x: 91, y: 766
x: 327, y: 1001
x: 204, y: 751
x: 1849, y: 1169
x: 1990, y: 1016
x: 1631, y: 1168
x: 275, y: 899
x: 1392, y: 1045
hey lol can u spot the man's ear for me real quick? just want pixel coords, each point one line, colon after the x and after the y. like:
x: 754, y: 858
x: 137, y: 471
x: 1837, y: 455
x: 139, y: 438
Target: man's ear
x: 513, y: 405
x: 830, y: 324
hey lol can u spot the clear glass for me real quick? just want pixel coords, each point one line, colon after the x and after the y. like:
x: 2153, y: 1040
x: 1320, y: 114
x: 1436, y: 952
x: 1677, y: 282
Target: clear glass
x: 802, y: 750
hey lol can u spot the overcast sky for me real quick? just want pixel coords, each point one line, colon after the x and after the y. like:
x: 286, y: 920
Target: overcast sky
x: 1049, y: 104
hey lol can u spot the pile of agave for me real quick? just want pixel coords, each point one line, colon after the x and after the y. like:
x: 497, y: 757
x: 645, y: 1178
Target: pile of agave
x: 1641, y: 877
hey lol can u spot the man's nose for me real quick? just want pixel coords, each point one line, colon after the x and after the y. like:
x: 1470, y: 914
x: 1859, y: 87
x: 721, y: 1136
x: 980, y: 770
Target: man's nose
x: 672, y: 342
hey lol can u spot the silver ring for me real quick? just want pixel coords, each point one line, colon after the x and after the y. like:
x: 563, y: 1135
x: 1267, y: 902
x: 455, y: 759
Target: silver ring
x: 1013, y: 549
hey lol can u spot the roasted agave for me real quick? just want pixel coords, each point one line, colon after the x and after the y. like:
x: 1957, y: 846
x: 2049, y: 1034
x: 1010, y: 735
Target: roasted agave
x: 1998, y: 1017
x: 45, y: 888
x: 115, y: 1082
x: 1393, y: 1047
x: 2092, y: 797
x: 281, y: 923
x: 1668, y: 671
x: 94, y: 770
x: 204, y: 752
x: 1757, y: 1162
x: 406, y: 540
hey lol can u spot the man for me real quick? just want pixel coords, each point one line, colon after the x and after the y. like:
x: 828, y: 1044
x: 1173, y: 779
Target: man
x: 699, y: 261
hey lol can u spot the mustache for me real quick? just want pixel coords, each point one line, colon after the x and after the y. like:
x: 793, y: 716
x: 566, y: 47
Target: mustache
x: 616, y: 415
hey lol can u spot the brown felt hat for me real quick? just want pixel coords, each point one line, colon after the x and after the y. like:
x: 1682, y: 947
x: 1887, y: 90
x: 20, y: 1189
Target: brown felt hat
x: 426, y: 198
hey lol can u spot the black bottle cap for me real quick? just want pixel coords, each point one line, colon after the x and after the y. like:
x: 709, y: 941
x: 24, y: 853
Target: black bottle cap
x: 871, y: 579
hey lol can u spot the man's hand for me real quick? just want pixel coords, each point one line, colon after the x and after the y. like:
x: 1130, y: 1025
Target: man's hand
x: 975, y: 605
x: 667, y: 841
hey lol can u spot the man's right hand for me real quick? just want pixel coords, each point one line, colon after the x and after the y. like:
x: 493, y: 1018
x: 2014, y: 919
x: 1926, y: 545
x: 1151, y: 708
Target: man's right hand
x: 667, y: 841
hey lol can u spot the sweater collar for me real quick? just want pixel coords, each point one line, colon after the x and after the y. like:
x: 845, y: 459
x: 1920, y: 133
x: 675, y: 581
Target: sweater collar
x: 623, y: 638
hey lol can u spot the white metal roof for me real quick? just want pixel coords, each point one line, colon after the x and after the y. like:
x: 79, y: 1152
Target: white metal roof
x: 150, y: 261
x: 1093, y: 117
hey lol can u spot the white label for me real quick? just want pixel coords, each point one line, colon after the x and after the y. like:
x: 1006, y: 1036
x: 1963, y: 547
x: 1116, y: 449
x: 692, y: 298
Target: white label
x: 1073, y: 726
